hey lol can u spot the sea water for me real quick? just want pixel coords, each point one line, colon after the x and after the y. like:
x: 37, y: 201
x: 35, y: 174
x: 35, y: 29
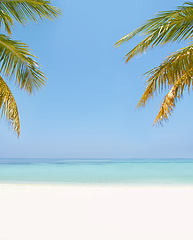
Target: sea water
x: 97, y: 171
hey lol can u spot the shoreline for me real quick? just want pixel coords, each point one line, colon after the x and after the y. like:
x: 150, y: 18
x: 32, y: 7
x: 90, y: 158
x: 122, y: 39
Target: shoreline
x: 44, y: 211
x: 98, y: 185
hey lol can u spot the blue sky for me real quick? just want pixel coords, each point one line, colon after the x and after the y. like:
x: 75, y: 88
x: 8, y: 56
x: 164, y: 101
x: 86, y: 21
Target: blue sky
x: 88, y: 106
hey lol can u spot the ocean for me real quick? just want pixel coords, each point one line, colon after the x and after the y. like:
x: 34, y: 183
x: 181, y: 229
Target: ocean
x: 97, y: 171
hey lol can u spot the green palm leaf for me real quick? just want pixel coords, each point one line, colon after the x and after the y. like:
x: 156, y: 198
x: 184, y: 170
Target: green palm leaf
x: 26, y: 10
x: 6, y: 21
x: 176, y: 71
x: 17, y: 61
x: 165, y: 27
x: 8, y: 106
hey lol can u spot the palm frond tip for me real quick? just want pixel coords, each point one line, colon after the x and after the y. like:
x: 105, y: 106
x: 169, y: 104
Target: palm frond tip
x: 8, y: 106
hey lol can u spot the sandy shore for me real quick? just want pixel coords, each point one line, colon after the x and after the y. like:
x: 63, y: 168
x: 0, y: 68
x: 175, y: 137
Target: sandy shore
x: 46, y: 212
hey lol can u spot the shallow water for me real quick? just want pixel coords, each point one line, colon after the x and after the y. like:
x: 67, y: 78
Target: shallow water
x: 97, y: 171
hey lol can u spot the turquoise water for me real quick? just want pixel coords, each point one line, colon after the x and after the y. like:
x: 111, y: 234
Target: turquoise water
x: 97, y: 171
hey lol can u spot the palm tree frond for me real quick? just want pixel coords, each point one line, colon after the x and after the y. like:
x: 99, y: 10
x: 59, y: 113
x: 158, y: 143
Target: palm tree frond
x: 129, y: 36
x: 8, y: 106
x: 175, y: 94
x: 176, y: 66
x: 17, y: 61
x: 6, y: 21
x: 165, y: 27
x: 28, y: 10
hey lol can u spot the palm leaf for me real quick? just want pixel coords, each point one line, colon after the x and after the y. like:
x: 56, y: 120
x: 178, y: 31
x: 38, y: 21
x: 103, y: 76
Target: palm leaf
x: 17, y: 62
x: 173, y: 96
x: 165, y: 27
x: 8, y: 106
x: 6, y: 21
x: 26, y: 10
x: 175, y: 67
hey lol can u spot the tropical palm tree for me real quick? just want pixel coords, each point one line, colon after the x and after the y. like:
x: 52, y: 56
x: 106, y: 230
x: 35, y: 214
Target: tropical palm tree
x: 16, y: 60
x: 176, y: 71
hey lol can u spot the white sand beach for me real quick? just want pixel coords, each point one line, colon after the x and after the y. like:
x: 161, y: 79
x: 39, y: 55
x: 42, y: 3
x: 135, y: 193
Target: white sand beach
x: 53, y: 212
